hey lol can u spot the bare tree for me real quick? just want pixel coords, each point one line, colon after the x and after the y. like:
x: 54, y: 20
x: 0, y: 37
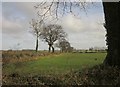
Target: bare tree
x: 52, y: 33
x: 36, y: 26
x: 58, y: 8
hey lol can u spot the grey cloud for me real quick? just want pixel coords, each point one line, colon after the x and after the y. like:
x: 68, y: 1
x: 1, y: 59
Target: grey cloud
x: 91, y: 28
x: 10, y: 27
x: 14, y: 29
x: 27, y: 8
x: 78, y: 25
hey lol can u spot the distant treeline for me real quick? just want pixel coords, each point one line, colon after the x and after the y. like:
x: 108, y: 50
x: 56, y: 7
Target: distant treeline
x: 90, y: 51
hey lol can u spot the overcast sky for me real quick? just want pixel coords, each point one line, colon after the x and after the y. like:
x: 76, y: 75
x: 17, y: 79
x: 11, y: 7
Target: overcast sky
x: 83, y: 32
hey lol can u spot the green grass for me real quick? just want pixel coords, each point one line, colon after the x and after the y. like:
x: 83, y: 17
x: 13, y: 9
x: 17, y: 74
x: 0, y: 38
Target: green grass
x: 55, y: 64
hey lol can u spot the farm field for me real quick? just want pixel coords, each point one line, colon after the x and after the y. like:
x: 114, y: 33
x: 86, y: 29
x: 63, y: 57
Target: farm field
x: 59, y: 69
x: 55, y: 64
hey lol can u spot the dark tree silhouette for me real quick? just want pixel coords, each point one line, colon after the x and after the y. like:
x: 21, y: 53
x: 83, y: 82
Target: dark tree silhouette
x: 64, y: 45
x: 36, y: 26
x: 112, y: 25
x: 52, y: 33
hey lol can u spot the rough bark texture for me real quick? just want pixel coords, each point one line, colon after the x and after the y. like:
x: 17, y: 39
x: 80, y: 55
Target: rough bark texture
x: 112, y: 25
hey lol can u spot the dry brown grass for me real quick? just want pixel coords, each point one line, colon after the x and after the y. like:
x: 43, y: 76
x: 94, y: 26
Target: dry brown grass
x: 20, y: 56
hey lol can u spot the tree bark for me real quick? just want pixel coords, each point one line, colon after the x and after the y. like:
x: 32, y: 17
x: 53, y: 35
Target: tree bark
x: 49, y: 48
x: 37, y: 44
x: 112, y: 25
x: 53, y: 49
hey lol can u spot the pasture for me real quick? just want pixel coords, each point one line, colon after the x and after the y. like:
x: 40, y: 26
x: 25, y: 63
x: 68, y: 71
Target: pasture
x: 54, y: 64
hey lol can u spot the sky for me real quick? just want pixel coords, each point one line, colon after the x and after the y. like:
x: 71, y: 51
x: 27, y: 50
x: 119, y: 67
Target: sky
x: 83, y: 32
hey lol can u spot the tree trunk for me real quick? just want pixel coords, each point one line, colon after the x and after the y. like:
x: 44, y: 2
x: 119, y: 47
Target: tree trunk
x: 53, y: 49
x: 37, y: 44
x: 112, y: 25
x: 49, y: 48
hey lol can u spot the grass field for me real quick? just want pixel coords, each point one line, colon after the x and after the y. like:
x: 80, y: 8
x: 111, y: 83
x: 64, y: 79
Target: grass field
x: 60, y: 69
x: 55, y: 64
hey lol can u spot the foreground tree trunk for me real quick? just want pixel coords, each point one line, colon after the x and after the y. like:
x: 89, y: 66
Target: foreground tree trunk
x: 112, y: 25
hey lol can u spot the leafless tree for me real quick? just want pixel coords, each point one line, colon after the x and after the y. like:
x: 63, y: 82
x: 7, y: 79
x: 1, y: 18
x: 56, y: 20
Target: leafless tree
x: 52, y: 33
x: 57, y: 8
x: 36, y: 26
